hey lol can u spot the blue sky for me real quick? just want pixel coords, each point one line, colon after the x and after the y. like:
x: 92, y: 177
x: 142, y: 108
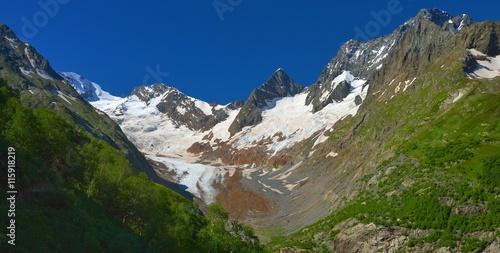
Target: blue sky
x: 214, y: 50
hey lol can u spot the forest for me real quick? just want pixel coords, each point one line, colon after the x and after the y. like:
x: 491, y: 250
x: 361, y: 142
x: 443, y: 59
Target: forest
x: 76, y: 193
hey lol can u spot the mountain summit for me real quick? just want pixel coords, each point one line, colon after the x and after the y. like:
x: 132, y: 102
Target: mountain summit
x: 279, y: 85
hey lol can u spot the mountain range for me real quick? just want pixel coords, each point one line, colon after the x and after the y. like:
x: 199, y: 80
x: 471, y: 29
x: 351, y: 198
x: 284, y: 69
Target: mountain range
x: 389, y: 150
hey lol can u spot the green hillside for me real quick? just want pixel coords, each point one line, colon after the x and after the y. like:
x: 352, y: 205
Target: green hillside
x: 76, y: 193
x: 440, y: 185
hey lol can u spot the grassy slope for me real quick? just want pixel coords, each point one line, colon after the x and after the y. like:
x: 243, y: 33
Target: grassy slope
x: 439, y: 149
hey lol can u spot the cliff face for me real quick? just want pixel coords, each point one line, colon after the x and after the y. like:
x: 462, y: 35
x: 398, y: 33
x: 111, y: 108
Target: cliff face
x: 279, y: 85
x: 365, y: 59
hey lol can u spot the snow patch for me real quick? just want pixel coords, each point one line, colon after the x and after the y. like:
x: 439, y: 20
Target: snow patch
x: 488, y: 68
x: 12, y: 42
x: 269, y: 187
x: 198, y: 178
x: 204, y: 106
x: 332, y: 154
x: 25, y: 72
x: 458, y: 97
x: 408, y: 83
x: 64, y: 96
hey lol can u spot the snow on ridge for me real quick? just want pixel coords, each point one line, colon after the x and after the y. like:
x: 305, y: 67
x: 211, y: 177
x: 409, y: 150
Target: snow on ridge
x: 294, y: 121
x: 344, y: 76
x: 203, y: 106
x: 84, y: 86
x: 12, y: 42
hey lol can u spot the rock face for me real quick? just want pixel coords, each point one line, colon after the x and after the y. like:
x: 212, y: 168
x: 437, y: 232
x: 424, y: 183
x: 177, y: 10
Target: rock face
x: 365, y: 59
x: 369, y: 238
x: 182, y: 109
x: 24, y: 60
x: 482, y: 36
x: 493, y: 247
x: 279, y: 85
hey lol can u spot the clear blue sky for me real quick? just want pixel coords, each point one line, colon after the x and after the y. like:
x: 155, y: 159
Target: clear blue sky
x: 208, y: 54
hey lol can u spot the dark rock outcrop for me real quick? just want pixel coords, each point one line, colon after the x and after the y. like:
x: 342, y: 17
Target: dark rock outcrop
x: 277, y: 86
x: 365, y: 59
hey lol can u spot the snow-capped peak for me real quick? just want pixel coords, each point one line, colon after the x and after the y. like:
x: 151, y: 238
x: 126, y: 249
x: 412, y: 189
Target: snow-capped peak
x: 87, y: 89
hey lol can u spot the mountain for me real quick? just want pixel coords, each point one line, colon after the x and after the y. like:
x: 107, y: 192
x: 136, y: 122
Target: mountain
x: 77, y: 184
x: 365, y: 59
x: 394, y: 148
x: 392, y: 126
x: 406, y: 165
x: 279, y: 85
x: 88, y: 90
x: 41, y: 87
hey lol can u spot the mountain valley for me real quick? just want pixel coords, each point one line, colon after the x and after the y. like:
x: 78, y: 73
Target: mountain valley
x: 395, y: 147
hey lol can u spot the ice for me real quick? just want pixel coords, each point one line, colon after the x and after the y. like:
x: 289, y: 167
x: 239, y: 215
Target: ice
x: 198, y: 178
x: 204, y: 106
x: 82, y: 86
x: 295, y: 120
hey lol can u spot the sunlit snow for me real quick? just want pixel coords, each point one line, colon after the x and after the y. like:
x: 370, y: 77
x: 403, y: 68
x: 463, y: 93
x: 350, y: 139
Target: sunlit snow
x: 488, y: 68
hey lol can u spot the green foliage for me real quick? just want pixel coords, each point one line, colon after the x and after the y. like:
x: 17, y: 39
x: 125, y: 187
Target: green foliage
x: 454, y: 151
x: 491, y: 173
x: 82, y: 195
x: 444, y: 173
x: 241, y: 238
x: 473, y: 245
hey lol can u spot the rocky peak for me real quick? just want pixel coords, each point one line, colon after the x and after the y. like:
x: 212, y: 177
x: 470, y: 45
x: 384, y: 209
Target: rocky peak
x: 5, y: 31
x: 437, y: 16
x: 364, y: 59
x: 277, y: 86
x: 442, y: 19
x: 83, y: 86
x: 146, y: 93
x: 24, y: 58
